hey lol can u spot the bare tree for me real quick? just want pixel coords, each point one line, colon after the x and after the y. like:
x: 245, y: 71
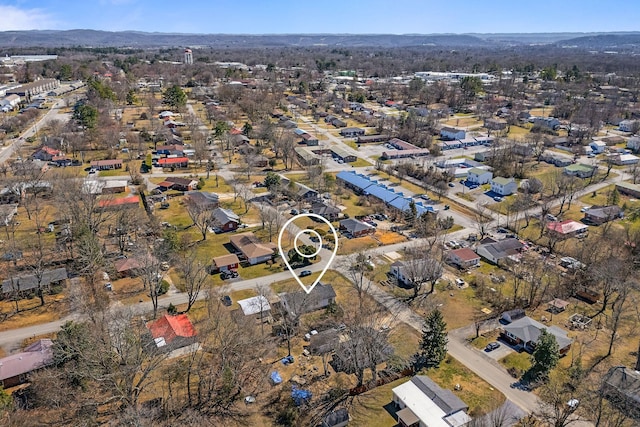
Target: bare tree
x: 356, y: 268
x: 201, y: 215
x: 150, y: 271
x: 482, y: 218
x: 195, y: 275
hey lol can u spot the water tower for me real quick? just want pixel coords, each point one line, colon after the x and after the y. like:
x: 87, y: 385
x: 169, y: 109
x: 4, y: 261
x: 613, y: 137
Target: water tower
x: 188, y: 56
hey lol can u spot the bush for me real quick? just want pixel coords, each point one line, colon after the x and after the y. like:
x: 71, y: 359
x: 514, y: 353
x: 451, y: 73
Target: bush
x: 164, y: 287
x: 172, y: 309
x: 200, y: 183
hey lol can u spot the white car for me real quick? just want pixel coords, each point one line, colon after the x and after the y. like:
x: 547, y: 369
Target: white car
x: 584, y: 209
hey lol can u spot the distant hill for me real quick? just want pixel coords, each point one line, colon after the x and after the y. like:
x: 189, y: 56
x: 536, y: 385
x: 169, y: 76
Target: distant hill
x: 137, y: 39
x: 50, y: 38
x: 614, y: 41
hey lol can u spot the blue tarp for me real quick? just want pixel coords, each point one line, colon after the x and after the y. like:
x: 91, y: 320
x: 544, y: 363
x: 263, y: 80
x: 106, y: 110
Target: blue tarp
x: 300, y: 396
x: 275, y: 377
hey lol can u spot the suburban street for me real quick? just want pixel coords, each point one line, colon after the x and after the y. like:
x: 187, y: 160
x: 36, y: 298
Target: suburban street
x: 475, y: 360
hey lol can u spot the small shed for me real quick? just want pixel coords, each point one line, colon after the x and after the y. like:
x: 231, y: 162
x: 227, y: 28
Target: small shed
x: 275, y: 378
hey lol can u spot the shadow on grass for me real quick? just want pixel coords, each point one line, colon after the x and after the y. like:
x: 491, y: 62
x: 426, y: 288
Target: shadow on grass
x: 391, y: 410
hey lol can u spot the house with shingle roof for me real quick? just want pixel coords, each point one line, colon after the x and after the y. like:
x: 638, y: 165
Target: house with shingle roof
x: 497, y: 251
x: 526, y: 332
x: 356, y: 228
x: 225, y: 219
x: 421, y: 402
x: 252, y: 248
x: 15, y: 367
x: 170, y: 332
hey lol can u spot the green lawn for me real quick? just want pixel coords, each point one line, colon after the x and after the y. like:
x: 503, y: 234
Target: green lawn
x: 521, y: 361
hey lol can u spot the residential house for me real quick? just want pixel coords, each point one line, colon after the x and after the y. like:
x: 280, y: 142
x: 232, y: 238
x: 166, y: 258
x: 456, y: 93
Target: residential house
x: 406, y: 272
x: 305, y: 193
x: 495, y: 124
x: 259, y: 161
x: 324, y: 342
x: 351, y: 132
x: 45, y: 153
x: 598, y: 147
x: 628, y: 189
x: 342, y: 154
x: 326, y: 211
x: 547, y: 122
x: 240, y: 139
x: 182, y: 184
x: 422, y: 403
x: 172, y: 331
x: 225, y: 219
x: 634, y: 143
x: 621, y: 159
x: 225, y: 263
x: 355, y: 228
x: 526, y: 332
x: 203, y: 199
x: 253, y: 250
x: 600, y: 214
x: 300, y: 302
x: 10, y: 102
x: 479, y: 176
x: 257, y: 306
x: 495, y: 252
x: 170, y: 150
x: 127, y: 267
x: 15, y: 368
x: 556, y: 159
x: 174, y: 162
x: 503, y: 186
x: 628, y: 125
x: 336, y: 122
x: 566, y: 229
x: 463, y: 258
x: 451, y: 133
x: 129, y: 202
x: 580, y: 170
x: 621, y: 387
x: 306, y: 157
x: 30, y: 167
x: 29, y: 283
x: 110, y: 164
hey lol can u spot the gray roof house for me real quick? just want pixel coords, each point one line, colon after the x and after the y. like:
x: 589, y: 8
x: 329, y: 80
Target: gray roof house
x: 422, y: 402
x: 29, y: 282
x: 326, y: 211
x: 355, y: 228
x: 601, y: 214
x: 621, y: 387
x: 297, y: 303
x: 497, y: 251
x: 526, y: 332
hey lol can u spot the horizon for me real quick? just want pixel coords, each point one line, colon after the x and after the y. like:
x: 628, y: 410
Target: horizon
x: 284, y: 17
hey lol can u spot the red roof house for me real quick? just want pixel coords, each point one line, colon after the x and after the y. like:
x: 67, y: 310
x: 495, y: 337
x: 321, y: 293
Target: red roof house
x: 174, y: 162
x: 463, y: 258
x: 565, y: 229
x: 174, y: 331
x: 125, y: 202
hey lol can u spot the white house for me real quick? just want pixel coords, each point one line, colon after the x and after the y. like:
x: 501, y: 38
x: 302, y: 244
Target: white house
x: 627, y: 125
x: 634, y: 143
x: 503, y: 186
x: 421, y: 402
x: 598, y: 146
x: 479, y: 176
x: 624, y: 159
x: 451, y: 133
x: 10, y: 102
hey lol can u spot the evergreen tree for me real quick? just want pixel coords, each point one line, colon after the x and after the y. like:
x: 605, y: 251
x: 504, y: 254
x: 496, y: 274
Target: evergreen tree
x: 433, y: 346
x: 175, y: 97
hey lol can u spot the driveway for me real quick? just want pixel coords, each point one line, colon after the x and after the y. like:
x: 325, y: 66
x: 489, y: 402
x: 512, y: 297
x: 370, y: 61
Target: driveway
x: 500, y: 352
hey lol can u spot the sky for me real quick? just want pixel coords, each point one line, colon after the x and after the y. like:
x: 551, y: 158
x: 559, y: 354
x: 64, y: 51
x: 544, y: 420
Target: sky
x: 323, y: 16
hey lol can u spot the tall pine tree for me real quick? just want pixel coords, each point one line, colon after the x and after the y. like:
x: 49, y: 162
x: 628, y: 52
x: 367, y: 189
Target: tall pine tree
x: 433, y: 346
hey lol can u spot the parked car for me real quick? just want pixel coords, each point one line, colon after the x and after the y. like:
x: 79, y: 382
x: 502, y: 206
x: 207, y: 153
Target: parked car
x: 585, y: 208
x: 451, y: 184
x: 491, y: 346
x: 228, y: 275
x: 305, y: 273
x: 459, y: 282
x: 226, y: 300
x: 294, y: 211
x: 498, y: 199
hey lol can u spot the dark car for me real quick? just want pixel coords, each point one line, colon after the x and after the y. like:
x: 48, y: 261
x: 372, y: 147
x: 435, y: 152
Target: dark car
x: 226, y: 300
x: 304, y: 273
x: 491, y: 346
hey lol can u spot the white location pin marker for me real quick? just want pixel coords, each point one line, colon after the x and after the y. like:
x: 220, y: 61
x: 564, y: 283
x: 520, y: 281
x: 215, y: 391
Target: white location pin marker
x: 308, y: 289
